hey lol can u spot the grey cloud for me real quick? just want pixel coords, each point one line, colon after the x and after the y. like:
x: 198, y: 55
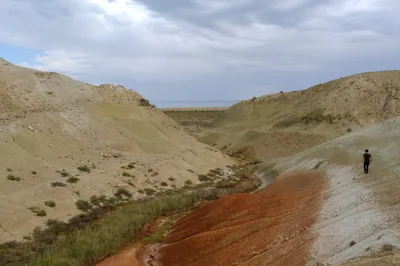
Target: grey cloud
x: 197, y: 49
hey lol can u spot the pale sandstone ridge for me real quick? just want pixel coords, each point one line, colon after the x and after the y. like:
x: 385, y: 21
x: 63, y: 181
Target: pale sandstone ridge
x: 50, y: 122
x: 358, y: 222
x: 285, y: 123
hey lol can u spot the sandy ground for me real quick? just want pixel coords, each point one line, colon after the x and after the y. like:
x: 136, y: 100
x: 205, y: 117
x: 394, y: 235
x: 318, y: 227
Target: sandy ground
x: 194, y: 120
x: 50, y: 123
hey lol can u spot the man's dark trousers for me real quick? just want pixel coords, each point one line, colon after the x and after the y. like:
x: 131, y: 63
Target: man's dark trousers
x: 366, y: 167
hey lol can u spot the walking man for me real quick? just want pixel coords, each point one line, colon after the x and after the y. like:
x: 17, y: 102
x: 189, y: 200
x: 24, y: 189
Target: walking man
x: 367, y: 161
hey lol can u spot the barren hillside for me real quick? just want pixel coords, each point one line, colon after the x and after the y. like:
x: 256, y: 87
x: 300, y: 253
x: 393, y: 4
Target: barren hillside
x: 285, y: 123
x: 319, y: 209
x: 51, y: 125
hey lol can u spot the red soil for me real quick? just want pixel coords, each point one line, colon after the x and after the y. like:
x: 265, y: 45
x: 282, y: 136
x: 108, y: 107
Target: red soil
x: 270, y: 227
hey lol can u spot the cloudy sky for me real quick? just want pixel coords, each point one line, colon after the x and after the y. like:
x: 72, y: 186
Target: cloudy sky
x: 202, y: 49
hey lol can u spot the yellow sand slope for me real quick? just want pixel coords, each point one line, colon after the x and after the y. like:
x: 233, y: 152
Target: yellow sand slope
x: 50, y: 122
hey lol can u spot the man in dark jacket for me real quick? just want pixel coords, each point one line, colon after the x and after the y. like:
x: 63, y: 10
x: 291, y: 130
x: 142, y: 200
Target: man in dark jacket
x: 367, y: 161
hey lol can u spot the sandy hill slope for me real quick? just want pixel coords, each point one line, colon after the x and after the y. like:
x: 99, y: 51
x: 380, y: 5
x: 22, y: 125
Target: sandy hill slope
x: 359, y: 208
x: 319, y: 209
x: 285, y: 123
x: 193, y: 120
x: 51, y: 124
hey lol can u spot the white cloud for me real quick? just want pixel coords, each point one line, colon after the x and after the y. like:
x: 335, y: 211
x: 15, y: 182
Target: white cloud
x: 129, y: 42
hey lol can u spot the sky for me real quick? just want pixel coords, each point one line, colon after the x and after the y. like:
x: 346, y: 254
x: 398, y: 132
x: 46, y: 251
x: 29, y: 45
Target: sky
x: 202, y: 49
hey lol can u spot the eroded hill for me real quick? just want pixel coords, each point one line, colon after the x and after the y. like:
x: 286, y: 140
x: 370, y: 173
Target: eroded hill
x: 63, y: 141
x: 285, y: 123
x: 319, y: 209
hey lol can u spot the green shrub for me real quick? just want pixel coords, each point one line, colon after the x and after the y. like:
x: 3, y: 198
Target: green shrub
x: 50, y: 203
x: 123, y: 192
x: 98, y: 201
x: 203, y: 178
x: 38, y: 211
x: 58, y: 184
x: 13, y: 178
x: 149, y: 191
x: 73, y: 180
x: 83, y: 205
x: 64, y: 174
x: 9, y: 170
x: 84, y: 168
x: 144, y: 102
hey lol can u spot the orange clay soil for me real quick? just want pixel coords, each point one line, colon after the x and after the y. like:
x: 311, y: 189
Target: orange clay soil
x: 270, y: 227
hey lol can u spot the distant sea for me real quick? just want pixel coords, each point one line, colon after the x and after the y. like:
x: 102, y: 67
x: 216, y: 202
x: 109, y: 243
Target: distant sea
x: 188, y: 104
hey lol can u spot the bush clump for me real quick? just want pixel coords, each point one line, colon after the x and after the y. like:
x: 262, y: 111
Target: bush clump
x: 122, y: 192
x: 38, y: 211
x: 73, y: 180
x: 149, y: 191
x: 144, y: 102
x: 50, y: 203
x: 58, y: 184
x: 203, y: 178
x: 83, y: 205
x: 13, y: 178
x: 84, y: 168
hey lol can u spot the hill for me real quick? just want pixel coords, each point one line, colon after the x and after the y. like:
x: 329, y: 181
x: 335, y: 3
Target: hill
x: 285, y: 123
x: 319, y: 209
x: 63, y: 141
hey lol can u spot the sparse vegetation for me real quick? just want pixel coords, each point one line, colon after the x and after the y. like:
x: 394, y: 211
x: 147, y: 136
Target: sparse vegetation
x: 123, y: 192
x: 83, y: 205
x: 13, y: 178
x: 155, y: 174
x: 349, y: 130
x: 144, y: 102
x: 352, y: 243
x: 131, y: 165
x: 171, y: 179
x: 50, y: 203
x: 84, y: 168
x: 38, y: 211
x: 34, y: 173
x: 150, y: 170
x: 126, y: 174
x: 149, y: 191
x: 58, y: 184
x: 73, y: 180
x: 164, y: 184
x: 203, y: 178
x: 64, y: 174
x: 188, y: 182
x: 113, y: 230
x: 98, y: 200
x: 9, y: 170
